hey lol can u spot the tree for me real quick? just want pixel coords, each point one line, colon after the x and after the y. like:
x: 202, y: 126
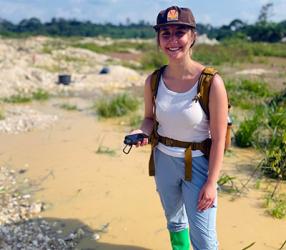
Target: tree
x: 236, y: 24
x: 265, y: 13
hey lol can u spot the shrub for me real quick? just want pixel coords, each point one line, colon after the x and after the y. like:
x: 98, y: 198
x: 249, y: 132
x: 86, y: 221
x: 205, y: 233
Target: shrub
x: 276, y: 206
x: 117, y: 106
x: 247, y: 94
x: 68, y: 106
x: 40, y: 95
x: 266, y: 130
x: 153, y: 60
x: 244, y: 135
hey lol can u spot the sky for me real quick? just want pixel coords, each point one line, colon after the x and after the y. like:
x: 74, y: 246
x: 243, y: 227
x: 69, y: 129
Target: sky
x: 214, y: 12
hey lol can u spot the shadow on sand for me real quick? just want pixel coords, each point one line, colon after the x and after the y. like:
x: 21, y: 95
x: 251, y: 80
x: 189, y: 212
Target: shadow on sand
x: 85, y: 241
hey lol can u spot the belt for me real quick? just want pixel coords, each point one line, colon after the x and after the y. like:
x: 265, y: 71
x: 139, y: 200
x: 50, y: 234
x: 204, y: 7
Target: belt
x: 204, y: 146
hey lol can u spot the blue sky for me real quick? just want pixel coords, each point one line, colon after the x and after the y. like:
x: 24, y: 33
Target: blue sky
x: 215, y: 12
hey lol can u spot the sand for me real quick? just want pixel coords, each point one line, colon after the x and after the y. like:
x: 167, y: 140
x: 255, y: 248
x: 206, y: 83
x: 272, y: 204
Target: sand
x: 113, y: 196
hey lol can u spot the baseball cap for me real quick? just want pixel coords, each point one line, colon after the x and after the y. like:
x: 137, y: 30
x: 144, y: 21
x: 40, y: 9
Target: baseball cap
x: 175, y: 15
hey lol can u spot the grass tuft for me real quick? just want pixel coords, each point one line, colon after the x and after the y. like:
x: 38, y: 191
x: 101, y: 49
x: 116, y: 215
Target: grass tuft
x: 117, y: 106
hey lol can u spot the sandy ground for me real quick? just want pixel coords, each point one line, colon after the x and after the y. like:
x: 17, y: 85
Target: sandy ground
x: 114, y: 196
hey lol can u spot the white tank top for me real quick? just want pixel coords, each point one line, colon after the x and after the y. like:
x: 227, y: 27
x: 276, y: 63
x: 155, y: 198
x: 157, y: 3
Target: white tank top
x: 180, y: 118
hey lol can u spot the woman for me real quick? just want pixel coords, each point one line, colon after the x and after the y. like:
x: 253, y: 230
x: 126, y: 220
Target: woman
x: 189, y: 205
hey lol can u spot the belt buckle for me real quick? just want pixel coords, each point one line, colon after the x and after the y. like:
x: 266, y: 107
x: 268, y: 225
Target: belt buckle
x: 169, y: 142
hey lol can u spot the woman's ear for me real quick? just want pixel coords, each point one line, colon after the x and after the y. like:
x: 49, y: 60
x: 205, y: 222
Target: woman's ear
x: 194, y: 37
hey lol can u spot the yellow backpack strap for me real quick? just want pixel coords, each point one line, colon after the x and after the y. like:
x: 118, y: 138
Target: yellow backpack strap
x: 204, y: 85
x: 155, y: 79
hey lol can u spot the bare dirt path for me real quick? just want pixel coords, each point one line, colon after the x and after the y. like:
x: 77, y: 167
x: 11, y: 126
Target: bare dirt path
x: 113, y: 196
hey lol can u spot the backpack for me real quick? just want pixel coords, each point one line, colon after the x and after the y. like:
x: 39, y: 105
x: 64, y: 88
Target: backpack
x: 202, y: 96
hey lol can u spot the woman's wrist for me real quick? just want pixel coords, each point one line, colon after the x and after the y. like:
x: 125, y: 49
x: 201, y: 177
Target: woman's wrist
x: 212, y: 181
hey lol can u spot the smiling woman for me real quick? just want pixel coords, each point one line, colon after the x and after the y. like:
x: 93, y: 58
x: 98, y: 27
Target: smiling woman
x: 187, y: 143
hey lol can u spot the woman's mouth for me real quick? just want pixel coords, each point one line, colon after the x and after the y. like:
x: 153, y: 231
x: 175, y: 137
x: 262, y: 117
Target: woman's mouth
x: 173, y: 49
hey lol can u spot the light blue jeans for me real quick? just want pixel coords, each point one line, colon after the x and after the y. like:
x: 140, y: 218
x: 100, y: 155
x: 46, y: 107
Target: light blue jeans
x: 179, y: 199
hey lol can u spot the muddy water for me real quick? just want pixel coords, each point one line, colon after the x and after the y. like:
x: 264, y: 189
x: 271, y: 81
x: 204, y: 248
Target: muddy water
x: 111, y: 194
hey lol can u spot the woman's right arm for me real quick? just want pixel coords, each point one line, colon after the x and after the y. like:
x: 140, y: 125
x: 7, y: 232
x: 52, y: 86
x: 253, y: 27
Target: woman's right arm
x: 147, y: 123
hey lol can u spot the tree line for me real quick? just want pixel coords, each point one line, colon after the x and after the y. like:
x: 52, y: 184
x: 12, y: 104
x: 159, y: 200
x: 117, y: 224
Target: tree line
x: 262, y: 30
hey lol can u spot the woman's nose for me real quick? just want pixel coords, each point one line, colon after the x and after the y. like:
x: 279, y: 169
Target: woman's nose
x: 173, y: 38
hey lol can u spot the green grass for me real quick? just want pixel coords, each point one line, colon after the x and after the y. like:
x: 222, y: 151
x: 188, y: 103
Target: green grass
x: 68, y: 106
x: 276, y: 206
x: 51, y: 68
x: 2, y: 115
x: 226, y: 183
x: 18, y: 98
x: 117, y: 46
x: 70, y: 59
x: 247, y: 94
x: 55, y: 44
x: 152, y: 60
x: 244, y: 136
x: 91, y: 46
x: 105, y: 150
x: 266, y: 131
x: 236, y: 52
x: 38, y: 95
x: 116, y: 106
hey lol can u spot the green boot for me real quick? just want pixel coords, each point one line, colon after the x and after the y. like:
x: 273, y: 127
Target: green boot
x: 180, y: 240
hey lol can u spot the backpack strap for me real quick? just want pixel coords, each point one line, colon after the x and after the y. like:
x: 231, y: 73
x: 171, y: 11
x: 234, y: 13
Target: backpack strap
x: 203, y: 90
x: 155, y: 79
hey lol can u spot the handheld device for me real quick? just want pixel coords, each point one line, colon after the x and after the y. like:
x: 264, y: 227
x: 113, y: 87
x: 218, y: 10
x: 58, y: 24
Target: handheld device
x: 133, y: 139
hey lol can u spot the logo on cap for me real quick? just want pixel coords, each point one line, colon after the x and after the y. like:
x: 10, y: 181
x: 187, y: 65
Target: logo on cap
x: 172, y: 15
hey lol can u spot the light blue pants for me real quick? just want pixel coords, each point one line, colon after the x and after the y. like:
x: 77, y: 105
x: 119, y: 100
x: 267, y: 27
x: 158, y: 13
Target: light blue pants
x: 179, y: 199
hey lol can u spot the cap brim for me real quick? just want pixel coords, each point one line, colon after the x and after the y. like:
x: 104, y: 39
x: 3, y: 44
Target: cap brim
x: 158, y: 26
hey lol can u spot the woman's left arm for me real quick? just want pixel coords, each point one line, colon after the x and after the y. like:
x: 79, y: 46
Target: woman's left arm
x: 218, y: 108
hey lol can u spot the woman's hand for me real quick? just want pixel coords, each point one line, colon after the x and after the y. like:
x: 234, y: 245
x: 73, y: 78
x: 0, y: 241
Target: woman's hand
x: 143, y: 142
x: 207, y: 196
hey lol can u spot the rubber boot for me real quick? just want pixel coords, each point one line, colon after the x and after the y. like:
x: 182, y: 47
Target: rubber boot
x: 180, y: 240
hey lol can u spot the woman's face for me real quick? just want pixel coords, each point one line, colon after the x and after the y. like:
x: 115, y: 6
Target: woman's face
x: 175, y: 41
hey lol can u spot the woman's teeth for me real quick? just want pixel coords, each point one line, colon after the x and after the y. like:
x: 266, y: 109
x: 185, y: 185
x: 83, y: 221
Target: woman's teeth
x: 173, y: 49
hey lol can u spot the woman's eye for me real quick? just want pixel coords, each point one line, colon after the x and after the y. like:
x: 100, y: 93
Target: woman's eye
x: 180, y: 33
x: 165, y: 34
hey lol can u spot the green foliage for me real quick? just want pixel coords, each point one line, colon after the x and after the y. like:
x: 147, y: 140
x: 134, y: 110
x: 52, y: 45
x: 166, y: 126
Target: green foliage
x: 219, y: 54
x: 68, y: 106
x: 40, y: 95
x: 226, y: 184
x: 23, y: 97
x: 235, y: 51
x: 117, y: 106
x: 18, y: 98
x: 105, y: 150
x: 268, y: 49
x: 245, y: 93
x: 266, y: 130
x: 153, y: 60
x: 263, y: 30
x: 118, y: 46
x: 274, y: 165
x: 2, y: 115
x: 91, y: 46
x: 276, y: 206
